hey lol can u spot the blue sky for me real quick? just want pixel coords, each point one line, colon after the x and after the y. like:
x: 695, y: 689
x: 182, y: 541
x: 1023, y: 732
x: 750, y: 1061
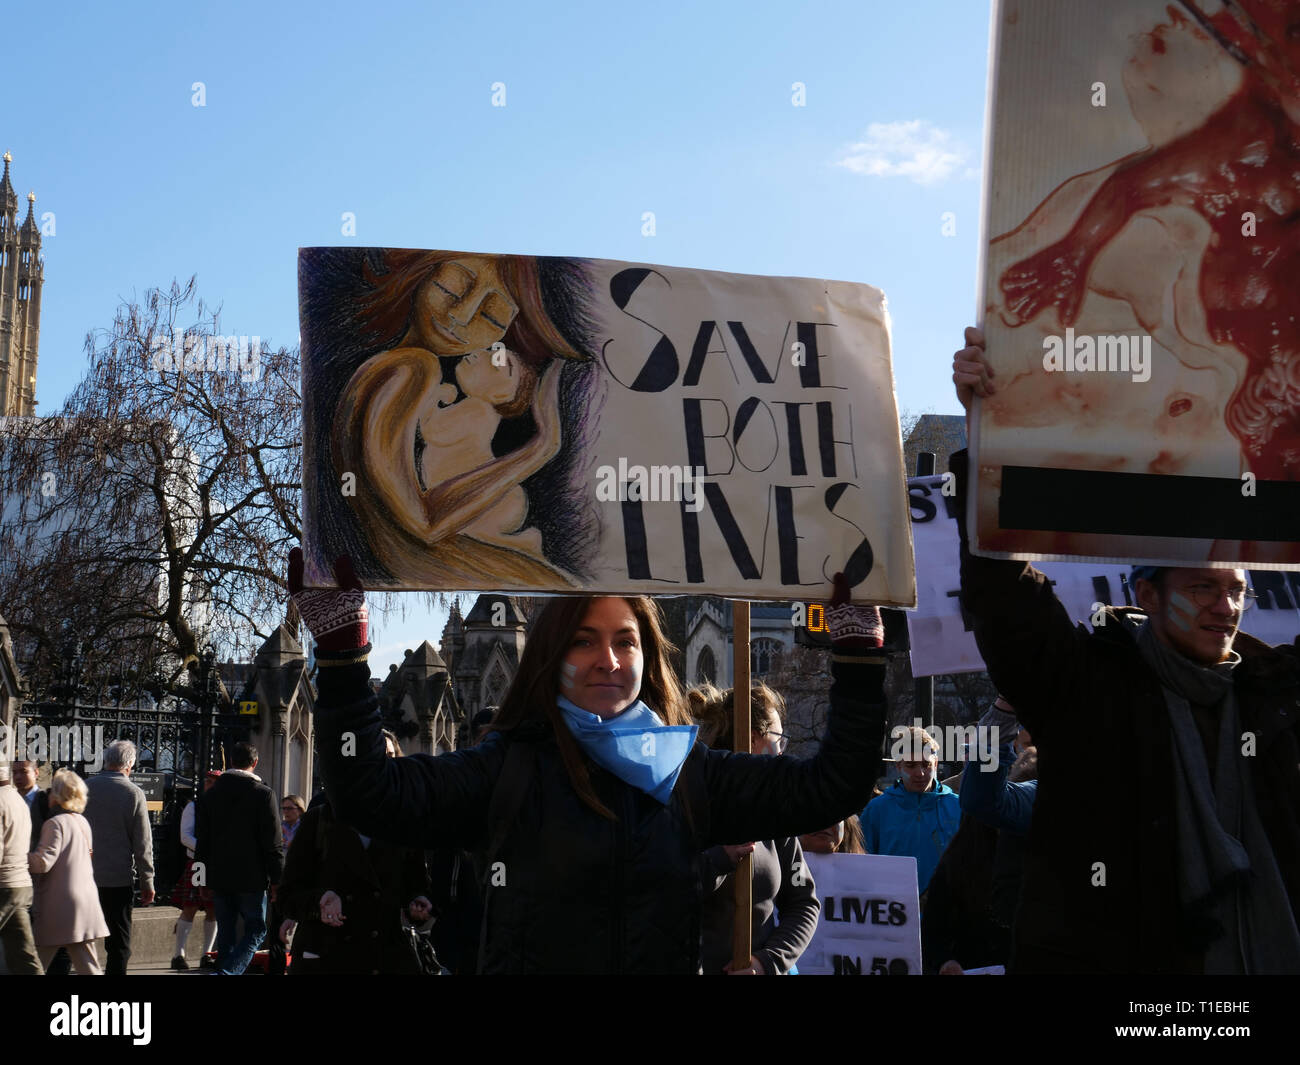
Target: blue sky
x: 611, y: 110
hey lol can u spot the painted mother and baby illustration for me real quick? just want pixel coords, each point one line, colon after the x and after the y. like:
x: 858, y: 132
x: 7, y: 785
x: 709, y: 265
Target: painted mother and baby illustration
x: 456, y: 420
x: 1216, y: 282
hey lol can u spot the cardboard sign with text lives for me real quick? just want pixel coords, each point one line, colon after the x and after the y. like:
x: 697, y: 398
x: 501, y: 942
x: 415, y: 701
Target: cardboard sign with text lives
x: 1139, y: 285
x: 526, y: 423
x: 870, y: 923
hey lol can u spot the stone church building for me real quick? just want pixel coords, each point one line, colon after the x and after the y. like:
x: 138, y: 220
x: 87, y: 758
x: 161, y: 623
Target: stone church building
x: 22, y: 272
x: 430, y: 699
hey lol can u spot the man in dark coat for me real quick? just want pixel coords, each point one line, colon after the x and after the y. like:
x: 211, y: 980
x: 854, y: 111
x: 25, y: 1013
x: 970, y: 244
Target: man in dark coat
x: 1190, y: 862
x: 240, y: 853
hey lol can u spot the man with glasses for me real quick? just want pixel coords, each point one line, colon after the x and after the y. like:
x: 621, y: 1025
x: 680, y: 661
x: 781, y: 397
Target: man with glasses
x: 1188, y: 859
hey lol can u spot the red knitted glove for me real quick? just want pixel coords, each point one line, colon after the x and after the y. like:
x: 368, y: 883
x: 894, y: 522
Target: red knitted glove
x: 854, y: 629
x: 336, y: 617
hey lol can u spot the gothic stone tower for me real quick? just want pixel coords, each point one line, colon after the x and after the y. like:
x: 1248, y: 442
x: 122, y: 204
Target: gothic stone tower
x: 21, y: 275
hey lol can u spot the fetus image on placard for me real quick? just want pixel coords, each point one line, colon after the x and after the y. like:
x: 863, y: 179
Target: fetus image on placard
x: 1210, y: 213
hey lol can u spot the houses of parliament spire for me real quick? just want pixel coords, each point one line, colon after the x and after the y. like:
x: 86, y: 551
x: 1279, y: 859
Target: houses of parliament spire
x: 21, y: 276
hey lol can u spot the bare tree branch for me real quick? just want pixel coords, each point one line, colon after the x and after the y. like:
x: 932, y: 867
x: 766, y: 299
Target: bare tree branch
x: 152, y: 515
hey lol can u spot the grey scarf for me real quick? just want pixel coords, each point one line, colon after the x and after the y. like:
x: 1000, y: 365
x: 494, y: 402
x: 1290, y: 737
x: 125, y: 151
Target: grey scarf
x: 1230, y: 886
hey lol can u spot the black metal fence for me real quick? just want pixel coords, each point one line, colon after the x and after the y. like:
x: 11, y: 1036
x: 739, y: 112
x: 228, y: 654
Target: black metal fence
x: 173, y: 737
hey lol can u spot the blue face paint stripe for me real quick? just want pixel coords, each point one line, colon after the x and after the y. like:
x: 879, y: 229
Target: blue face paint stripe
x: 1182, y: 611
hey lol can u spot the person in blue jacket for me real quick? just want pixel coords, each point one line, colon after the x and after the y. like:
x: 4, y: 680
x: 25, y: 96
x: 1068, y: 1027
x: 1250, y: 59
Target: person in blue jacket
x: 996, y: 798
x: 919, y: 814
x: 1003, y: 800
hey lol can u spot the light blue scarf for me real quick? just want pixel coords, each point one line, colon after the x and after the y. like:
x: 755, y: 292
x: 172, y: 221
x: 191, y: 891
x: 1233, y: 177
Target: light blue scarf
x: 636, y: 746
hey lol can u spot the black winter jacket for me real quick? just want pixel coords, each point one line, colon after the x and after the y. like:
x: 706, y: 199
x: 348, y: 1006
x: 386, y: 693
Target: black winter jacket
x: 570, y: 891
x: 237, y: 832
x: 375, y: 884
x: 1079, y: 693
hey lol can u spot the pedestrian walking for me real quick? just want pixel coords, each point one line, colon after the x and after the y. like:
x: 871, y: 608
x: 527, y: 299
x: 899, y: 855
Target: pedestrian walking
x: 66, y: 912
x: 238, y: 842
x: 119, y: 821
x: 15, y: 879
x: 189, y: 895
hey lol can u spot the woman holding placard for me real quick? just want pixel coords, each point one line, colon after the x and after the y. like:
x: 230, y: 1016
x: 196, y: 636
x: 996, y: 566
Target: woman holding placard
x: 783, y: 887
x: 590, y: 803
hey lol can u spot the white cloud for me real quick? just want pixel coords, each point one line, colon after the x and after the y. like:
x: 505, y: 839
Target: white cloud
x: 915, y: 149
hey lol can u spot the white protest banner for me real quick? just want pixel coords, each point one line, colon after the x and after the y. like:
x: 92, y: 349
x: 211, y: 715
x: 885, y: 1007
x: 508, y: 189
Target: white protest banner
x: 870, y: 918
x: 528, y: 423
x: 941, y: 641
x: 1139, y: 285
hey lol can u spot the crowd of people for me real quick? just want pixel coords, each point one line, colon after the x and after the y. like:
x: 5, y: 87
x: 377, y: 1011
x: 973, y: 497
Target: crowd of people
x: 596, y: 807
x: 597, y: 821
x: 72, y: 856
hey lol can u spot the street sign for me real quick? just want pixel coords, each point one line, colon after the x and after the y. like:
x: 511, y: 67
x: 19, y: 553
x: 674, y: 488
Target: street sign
x: 152, y: 784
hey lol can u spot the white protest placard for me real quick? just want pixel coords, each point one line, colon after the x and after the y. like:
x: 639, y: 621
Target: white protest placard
x: 941, y: 641
x: 870, y: 921
x: 533, y: 423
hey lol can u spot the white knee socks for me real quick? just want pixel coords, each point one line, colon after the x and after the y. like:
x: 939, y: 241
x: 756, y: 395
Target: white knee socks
x: 182, y: 934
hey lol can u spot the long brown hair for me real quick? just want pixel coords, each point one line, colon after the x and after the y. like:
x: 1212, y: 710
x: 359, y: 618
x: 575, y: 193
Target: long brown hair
x: 533, y: 692
x: 715, y: 712
x: 387, y: 308
x: 853, y: 841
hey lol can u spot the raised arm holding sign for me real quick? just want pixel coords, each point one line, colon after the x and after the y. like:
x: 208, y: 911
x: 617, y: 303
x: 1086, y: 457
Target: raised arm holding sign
x: 590, y: 802
x: 1191, y: 866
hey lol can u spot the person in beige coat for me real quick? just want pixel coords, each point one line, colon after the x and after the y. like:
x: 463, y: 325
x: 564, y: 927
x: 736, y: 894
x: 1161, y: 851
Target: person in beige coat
x: 66, y: 911
x: 15, y: 880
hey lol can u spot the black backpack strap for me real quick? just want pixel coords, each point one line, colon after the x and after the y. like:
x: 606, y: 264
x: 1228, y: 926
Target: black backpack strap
x: 694, y: 795
x: 507, y: 800
x: 508, y: 796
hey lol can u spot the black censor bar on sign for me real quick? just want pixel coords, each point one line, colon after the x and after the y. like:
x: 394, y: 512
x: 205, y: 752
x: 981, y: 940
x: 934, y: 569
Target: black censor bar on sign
x: 1147, y: 504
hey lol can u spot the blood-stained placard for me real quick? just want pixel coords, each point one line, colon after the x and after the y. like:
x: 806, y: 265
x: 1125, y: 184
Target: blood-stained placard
x: 481, y: 421
x: 1139, y: 284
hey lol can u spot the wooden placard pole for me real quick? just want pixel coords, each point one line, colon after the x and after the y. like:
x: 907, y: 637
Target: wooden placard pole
x: 742, y: 934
